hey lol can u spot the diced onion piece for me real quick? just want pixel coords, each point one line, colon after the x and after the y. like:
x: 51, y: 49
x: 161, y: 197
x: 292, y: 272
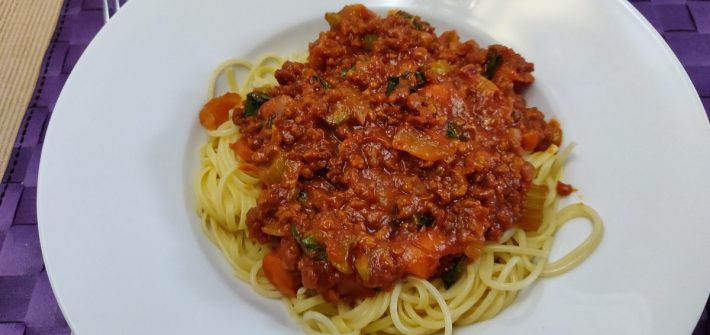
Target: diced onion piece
x: 485, y: 85
x: 333, y: 19
x: 337, y: 115
x: 351, y: 106
x: 532, y: 212
x: 363, y: 267
x: 422, y: 145
x: 338, y: 256
x: 275, y: 229
x: 440, y: 67
x: 274, y: 173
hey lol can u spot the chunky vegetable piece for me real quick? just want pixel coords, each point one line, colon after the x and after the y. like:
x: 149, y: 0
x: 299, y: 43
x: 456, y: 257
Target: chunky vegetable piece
x: 391, y: 152
x: 279, y: 275
x: 426, y: 146
x: 216, y: 111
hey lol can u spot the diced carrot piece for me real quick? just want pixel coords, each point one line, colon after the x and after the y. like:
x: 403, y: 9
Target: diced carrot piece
x: 216, y: 111
x: 419, y: 262
x: 530, y: 140
x: 241, y: 148
x: 275, y: 269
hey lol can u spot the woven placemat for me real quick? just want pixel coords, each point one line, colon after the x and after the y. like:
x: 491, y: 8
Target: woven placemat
x: 27, y: 305
x: 25, y: 29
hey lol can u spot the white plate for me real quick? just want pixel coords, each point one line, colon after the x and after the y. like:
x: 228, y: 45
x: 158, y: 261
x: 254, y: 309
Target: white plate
x: 115, y: 204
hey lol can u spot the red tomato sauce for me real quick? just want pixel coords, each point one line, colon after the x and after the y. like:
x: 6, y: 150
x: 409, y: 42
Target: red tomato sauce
x: 393, y: 151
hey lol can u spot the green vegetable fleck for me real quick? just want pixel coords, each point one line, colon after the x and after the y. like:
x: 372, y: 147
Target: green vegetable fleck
x: 302, y: 197
x: 254, y: 102
x: 451, y: 276
x: 421, y: 78
x: 419, y: 25
x: 416, y: 21
x: 420, y: 81
x: 492, y: 61
x: 451, y: 131
x: 309, y: 244
x: 323, y: 83
x: 423, y: 220
x: 344, y: 72
x: 368, y: 41
x: 392, y: 83
x: 404, y: 15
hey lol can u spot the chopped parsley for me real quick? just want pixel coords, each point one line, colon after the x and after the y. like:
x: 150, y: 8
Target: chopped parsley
x: 309, y: 244
x: 344, y: 72
x: 451, y: 131
x: 451, y: 276
x: 423, y: 220
x: 323, y: 83
x: 254, y: 102
x: 368, y: 41
x: 302, y: 197
x: 392, y: 83
x: 492, y: 61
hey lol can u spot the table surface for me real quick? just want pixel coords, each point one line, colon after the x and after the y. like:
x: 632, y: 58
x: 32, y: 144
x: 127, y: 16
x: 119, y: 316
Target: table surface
x: 27, y: 304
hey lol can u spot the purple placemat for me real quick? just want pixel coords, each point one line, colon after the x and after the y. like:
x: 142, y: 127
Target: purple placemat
x: 27, y: 304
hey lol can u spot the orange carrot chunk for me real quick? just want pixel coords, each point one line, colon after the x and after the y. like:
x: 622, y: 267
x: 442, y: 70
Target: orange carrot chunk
x: 216, y: 111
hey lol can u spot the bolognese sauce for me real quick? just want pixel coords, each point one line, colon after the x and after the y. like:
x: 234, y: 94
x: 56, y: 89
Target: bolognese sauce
x: 391, y: 152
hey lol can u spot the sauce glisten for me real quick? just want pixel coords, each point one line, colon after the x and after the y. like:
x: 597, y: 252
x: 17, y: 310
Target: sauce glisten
x: 391, y: 152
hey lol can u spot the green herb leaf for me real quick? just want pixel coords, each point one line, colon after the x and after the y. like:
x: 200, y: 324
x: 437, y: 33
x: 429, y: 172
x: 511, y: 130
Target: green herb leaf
x: 423, y: 220
x: 492, y: 61
x: 309, y: 244
x: 421, y: 81
x: 254, y: 102
x: 419, y: 25
x: 392, y: 83
x: 451, y: 276
x: 416, y: 21
x: 323, y: 83
x: 344, y: 72
x: 302, y: 197
x: 421, y: 78
x: 368, y: 41
x: 451, y: 131
x: 296, y: 234
x: 404, y: 15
